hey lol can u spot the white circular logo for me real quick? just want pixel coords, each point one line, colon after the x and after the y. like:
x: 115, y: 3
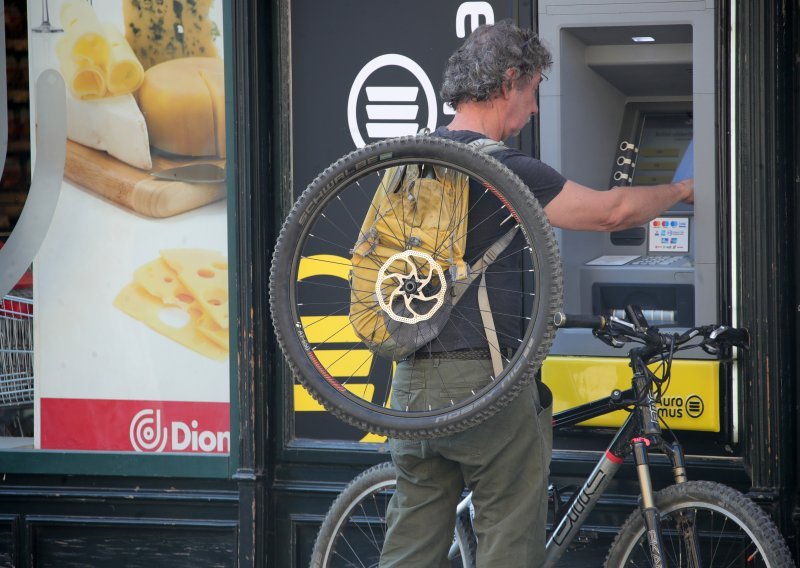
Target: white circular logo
x: 146, y: 432
x: 391, y: 110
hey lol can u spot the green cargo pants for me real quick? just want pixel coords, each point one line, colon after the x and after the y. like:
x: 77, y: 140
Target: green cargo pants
x: 505, y: 461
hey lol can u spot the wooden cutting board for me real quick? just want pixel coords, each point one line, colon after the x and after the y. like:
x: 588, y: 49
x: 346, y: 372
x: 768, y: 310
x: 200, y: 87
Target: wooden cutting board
x: 136, y: 189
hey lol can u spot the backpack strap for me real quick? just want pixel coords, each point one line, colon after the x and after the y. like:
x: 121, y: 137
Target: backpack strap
x: 488, y: 327
x: 479, y: 269
x: 488, y: 146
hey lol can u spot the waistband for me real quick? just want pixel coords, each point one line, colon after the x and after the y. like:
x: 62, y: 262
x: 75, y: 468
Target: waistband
x: 457, y: 354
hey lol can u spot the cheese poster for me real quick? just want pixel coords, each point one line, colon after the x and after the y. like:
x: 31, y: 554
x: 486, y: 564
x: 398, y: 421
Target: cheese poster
x: 131, y: 294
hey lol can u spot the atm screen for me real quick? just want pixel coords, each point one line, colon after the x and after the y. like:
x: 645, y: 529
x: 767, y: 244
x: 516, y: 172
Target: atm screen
x: 663, y: 141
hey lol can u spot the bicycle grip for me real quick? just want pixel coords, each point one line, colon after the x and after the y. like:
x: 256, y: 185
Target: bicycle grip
x: 562, y: 320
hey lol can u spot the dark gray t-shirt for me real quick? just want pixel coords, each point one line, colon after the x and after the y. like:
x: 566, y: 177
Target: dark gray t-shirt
x: 465, y: 329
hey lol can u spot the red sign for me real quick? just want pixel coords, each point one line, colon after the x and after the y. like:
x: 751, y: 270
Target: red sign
x: 135, y: 425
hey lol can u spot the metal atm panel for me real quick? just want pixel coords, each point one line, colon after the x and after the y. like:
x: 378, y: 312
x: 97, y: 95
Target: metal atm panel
x: 606, y: 89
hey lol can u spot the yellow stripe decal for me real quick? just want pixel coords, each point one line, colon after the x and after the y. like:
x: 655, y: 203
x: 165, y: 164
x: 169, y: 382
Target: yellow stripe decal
x: 329, y: 329
x: 324, y: 264
x: 304, y: 402
x: 344, y: 363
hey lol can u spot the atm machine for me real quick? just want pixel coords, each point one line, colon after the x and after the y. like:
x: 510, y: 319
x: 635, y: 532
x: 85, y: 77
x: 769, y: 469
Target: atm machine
x: 630, y: 100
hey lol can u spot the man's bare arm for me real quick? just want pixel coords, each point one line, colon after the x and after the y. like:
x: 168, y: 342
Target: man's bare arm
x: 582, y: 208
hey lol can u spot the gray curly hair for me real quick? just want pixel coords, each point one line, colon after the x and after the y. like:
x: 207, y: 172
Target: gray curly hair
x: 477, y: 69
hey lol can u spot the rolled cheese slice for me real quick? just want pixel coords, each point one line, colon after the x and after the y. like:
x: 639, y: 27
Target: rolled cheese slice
x: 83, y: 41
x: 183, y: 103
x: 86, y: 81
x: 90, y: 49
x: 78, y: 11
x: 125, y: 74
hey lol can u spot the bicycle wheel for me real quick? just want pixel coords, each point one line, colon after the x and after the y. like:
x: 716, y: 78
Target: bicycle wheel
x: 354, y: 528
x: 312, y: 279
x: 703, y: 524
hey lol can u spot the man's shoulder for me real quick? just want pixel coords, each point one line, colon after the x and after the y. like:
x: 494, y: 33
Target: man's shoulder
x: 463, y: 136
x: 543, y: 180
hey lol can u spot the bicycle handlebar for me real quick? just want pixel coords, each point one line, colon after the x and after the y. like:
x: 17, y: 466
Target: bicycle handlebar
x: 563, y: 320
x: 616, y: 332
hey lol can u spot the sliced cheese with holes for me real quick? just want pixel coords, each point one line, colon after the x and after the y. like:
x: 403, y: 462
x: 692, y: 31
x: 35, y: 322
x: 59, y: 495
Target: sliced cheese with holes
x: 159, y: 280
x: 183, y: 103
x: 205, y: 275
x: 115, y: 125
x: 159, y: 31
x: 171, y: 321
x: 215, y: 333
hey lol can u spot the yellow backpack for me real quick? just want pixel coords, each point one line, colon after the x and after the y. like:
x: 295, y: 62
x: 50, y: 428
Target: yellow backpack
x: 408, y: 267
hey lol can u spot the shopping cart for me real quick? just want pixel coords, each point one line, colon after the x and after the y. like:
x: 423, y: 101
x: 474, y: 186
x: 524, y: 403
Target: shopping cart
x: 16, y: 365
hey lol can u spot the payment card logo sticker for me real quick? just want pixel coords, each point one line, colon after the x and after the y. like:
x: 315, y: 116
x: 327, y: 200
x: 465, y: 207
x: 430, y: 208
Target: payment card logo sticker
x: 385, y: 100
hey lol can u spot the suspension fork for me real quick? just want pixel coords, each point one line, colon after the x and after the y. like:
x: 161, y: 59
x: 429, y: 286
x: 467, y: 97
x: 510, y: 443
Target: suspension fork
x: 684, y: 520
x: 652, y: 519
x: 674, y: 452
x: 651, y: 432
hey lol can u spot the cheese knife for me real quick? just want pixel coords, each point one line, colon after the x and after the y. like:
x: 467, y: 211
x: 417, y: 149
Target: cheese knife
x: 193, y: 173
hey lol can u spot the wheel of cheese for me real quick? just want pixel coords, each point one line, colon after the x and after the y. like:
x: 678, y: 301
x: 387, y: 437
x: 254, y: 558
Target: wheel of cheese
x: 183, y: 103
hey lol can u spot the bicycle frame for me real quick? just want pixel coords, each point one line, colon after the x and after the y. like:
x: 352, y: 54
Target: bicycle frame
x: 639, y: 431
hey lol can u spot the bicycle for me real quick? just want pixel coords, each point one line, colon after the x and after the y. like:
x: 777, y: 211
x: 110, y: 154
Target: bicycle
x: 312, y: 277
x: 689, y: 523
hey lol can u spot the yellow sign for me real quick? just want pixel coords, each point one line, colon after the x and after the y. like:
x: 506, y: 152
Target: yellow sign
x: 691, y: 401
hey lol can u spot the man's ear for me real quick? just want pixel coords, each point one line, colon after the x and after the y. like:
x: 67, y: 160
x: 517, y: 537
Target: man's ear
x: 508, y: 81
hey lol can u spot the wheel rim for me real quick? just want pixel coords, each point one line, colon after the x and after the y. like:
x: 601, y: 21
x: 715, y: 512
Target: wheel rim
x: 359, y: 533
x: 361, y: 530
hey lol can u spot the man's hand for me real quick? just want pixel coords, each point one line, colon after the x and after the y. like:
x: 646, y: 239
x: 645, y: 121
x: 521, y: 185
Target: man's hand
x: 687, y: 186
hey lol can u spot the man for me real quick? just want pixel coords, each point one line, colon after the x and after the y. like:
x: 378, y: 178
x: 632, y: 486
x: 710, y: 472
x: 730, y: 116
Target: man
x: 492, y: 81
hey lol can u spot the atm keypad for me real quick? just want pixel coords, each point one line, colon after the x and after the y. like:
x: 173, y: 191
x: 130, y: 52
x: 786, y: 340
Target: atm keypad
x: 657, y: 260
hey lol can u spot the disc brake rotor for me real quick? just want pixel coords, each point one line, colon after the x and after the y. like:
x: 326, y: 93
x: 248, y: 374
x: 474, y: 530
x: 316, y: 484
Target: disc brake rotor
x: 408, y: 285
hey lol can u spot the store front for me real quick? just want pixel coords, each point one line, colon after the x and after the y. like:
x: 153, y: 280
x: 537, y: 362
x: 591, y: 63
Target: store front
x: 122, y: 442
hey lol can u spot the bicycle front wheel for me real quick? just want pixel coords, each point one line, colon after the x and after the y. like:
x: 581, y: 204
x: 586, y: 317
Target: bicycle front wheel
x: 342, y: 318
x: 703, y: 525
x: 354, y: 529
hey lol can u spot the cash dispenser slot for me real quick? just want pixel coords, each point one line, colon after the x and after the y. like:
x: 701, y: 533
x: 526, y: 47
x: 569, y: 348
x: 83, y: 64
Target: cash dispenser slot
x: 664, y: 305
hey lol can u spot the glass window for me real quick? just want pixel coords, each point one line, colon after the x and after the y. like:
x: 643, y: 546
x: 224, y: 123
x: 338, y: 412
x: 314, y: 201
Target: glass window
x: 117, y: 339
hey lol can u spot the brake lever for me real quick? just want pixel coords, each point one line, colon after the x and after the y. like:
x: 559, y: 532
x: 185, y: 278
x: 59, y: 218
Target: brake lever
x: 710, y: 349
x: 608, y: 337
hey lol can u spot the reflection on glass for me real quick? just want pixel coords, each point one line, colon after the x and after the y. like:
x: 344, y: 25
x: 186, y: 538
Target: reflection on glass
x: 16, y: 366
x: 45, y: 26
